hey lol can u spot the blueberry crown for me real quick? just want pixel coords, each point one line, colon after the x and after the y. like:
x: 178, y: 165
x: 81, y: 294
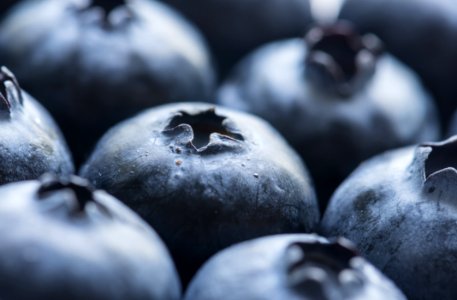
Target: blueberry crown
x: 339, y: 60
x: 197, y: 130
x: 10, y: 92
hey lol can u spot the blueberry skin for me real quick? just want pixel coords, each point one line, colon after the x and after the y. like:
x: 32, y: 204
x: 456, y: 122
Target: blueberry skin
x: 332, y: 133
x: 93, y: 68
x: 421, y: 33
x: 234, y: 28
x: 30, y: 142
x: 202, y: 196
x: 398, y: 208
x: 290, y: 267
x: 62, y: 240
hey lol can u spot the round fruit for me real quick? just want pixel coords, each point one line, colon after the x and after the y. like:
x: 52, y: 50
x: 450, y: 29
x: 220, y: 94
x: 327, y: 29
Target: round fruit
x: 30, y: 142
x: 93, y: 66
x: 235, y: 27
x: 205, y: 178
x: 336, y: 97
x: 399, y: 208
x: 421, y: 33
x: 63, y: 240
x: 290, y: 267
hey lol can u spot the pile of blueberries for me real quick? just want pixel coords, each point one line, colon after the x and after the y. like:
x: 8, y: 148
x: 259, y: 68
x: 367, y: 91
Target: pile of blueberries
x: 228, y: 150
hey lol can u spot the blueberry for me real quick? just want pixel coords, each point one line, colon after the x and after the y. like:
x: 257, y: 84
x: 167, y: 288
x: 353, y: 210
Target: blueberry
x: 235, y: 27
x: 399, y: 208
x: 336, y: 97
x: 63, y: 240
x: 204, y: 177
x: 30, y: 142
x: 95, y: 64
x: 290, y: 267
x: 421, y: 33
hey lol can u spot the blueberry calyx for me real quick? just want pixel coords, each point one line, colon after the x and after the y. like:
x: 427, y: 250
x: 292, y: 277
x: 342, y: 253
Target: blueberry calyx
x: 339, y: 60
x: 438, y: 169
x: 109, y: 15
x: 316, y: 267
x: 442, y: 156
x: 10, y: 92
x: 82, y: 191
x: 204, y: 131
x: 108, y: 6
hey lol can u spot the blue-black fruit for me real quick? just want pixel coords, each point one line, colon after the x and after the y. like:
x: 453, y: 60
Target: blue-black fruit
x: 419, y: 32
x: 30, y: 142
x: 204, y: 177
x: 95, y: 63
x: 63, y: 240
x: 400, y: 210
x: 233, y: 28
x: 290, y: 267
x: 336, y: 97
